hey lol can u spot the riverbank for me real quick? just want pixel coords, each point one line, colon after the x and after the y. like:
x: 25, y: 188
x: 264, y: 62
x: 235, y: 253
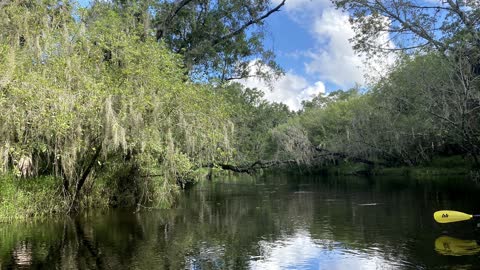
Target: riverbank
x: 34, y: 198
x: 40, y: 197
x: 438, y: 166
x: 45, y: 196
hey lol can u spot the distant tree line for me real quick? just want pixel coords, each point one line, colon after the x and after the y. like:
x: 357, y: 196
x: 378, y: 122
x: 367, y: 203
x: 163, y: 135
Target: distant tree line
x: 428, y: 104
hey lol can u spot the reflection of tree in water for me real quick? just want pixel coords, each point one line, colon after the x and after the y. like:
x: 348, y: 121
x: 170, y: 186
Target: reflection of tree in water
x: 215, y: 231
x: 238, y: 218
x: 227, y: 225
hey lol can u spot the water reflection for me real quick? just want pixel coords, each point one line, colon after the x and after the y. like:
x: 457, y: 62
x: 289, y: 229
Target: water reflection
x: 22, y: 255
x: 452, y: 246
x: 259, y: 223
x: 300, y: 251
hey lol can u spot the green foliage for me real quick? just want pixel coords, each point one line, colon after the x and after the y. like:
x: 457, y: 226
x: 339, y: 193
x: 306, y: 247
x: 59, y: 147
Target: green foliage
x: 290, y: 141
x: 253, y: 118
x: 83, y: 90
x: 420, y: 111
x: 218, y: 40
x: 20, y: 199
x: 331, y: 118
x: 428, y: 104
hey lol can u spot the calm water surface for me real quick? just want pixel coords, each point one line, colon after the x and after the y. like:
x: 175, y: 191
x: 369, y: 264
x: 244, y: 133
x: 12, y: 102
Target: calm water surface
x: 273, y: 222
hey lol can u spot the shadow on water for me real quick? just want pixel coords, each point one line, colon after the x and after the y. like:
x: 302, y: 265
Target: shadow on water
x: 273, y: 222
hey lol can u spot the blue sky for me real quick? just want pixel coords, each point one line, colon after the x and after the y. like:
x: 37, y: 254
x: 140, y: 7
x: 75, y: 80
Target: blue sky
x: 288, y: 38
x: 310, y: 38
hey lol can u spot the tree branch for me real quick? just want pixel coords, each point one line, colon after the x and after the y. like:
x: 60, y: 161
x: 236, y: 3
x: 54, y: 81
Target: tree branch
x: 161, y: 27
x: 263, y: 164
x: 249, y: 23
x: 416, y: 29
x: 345, y: 156
x: 456, y: 9
x: 85, y: 174
x: 251, y: 168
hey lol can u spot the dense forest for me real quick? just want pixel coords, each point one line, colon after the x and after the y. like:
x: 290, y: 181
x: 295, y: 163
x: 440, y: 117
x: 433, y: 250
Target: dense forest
x: 125, y: 102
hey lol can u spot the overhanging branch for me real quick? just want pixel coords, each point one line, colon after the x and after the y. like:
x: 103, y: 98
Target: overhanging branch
x: 162, y: 26
x: 252, y: 168
x: 249, y: 23
x: 263, y: 164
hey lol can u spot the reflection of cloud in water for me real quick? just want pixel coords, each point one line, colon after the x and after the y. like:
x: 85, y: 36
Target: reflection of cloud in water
x: 210, y: 256
x: 22, y: 255
x: 300, y: 251
x: 369, y: 204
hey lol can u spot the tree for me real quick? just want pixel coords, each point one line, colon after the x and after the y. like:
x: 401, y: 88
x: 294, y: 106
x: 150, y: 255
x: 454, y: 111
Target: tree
x: 253, y: 118
x: 218, y: 39
x: 449, y: 30
x: 78, y: 96
x: 426, y: 90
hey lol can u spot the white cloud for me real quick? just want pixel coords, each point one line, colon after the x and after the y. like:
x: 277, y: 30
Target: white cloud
x: 289, y: 89
x: 312, y: 91
x: 332, y: 58
x: 301, y: 251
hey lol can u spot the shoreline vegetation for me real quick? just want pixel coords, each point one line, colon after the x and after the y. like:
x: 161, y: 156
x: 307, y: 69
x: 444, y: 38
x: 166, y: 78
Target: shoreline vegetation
x: 124, y: 103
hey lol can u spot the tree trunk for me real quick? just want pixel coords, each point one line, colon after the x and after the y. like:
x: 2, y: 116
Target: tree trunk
x: 84, y: 177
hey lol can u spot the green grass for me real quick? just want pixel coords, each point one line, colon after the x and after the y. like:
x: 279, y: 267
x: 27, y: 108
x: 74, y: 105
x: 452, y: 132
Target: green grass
x: 29, y: 198
x: 393, y: 171
x: 36, y: 198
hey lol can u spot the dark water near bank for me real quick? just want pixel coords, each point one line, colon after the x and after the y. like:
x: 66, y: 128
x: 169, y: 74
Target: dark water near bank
x: 274, y: 222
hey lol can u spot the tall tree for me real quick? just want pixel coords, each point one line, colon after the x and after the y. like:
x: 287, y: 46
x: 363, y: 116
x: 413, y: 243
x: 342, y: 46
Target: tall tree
x: 219, y: 39
x: 253, y: 118
x: 77, y: 94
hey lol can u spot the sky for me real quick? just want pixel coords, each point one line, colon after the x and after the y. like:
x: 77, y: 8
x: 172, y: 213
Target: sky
x: 311, y: 42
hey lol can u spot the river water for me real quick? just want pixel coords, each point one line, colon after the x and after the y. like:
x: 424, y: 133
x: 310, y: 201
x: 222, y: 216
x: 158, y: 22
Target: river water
x: 269, y: 222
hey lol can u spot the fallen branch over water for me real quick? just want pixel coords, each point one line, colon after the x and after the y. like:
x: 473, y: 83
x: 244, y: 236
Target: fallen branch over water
x: 263, y: 164
x: 341, y: 155
x: 251, y: 168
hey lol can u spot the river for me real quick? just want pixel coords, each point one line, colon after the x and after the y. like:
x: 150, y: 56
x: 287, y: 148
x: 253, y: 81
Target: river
x: 267, y: 222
